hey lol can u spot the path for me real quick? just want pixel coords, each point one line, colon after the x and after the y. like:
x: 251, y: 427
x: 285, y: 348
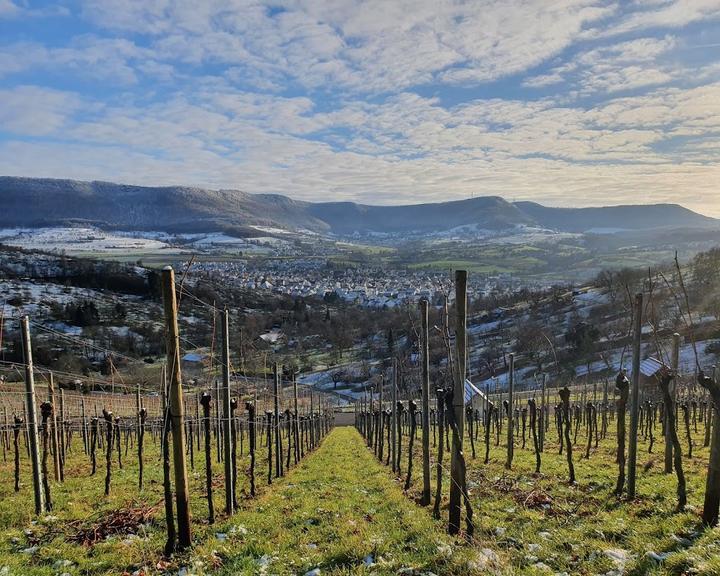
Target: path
x: 339, y: 512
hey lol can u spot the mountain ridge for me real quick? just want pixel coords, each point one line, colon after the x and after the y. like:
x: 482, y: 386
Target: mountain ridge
x: 35, y: 202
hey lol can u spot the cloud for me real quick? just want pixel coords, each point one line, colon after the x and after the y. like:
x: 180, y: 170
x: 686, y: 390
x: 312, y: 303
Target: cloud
x: 35, y: 111
x: 660, y: 14
x: 374, y: 45
x: 110, y: 59
x: 8, y: 9
x: 576, y: 102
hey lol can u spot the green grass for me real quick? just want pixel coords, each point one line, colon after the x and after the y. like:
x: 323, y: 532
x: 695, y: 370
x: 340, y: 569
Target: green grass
x: 581, y: 521
x: 340, y: 506
x: 334, y: 510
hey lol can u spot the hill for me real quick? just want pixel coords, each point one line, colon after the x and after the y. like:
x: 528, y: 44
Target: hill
x: 37, y: 202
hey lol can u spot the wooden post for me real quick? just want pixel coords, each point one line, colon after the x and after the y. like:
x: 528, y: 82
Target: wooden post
x: 393, y: 417
x: 457, y: 475
x: 226, y: 418
x: 142, y: 415
x: 276, y: 417
x: 46, y: 411
x: 425, y: 337
x: 218, y: 427
x: 669, y: 409
x: 440, y: 416
x: 182, y: 498
x: 83, y: 423
x: 511, y: 414
x: 54, y: 426
x: 543, y: 414
x: 17, y: 427
x: 63, y: 443
x: 108, y: 417
x: 206, y: 401
x: 250, y: 407
x: 167, y: 488
x: 296, y: 421
x: 32, y: 416
x: 635, y: 406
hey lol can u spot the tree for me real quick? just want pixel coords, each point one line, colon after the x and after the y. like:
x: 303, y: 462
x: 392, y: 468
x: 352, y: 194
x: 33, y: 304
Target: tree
x: 582, y: 337
x: 390, y: 342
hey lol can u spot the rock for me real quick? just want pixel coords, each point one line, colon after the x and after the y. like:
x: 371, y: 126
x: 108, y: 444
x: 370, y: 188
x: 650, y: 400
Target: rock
x: 545, y: 535
x: 534, y: 547
x: 500, y: 531
x: 369, y: 560
x: 264, y: 561
x: 542, y: 566
x: 684, y: 542
x: 313, y: 572
x: 618, y: 556
x: 445, y: 550
x: 31, y: 550
x: 60, y: 564
x: 220, y: 536
x: 661, y: 557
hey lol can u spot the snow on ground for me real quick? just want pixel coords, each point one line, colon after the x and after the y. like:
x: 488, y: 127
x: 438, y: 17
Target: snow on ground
x: 83, y: 239
x: 271, y: 230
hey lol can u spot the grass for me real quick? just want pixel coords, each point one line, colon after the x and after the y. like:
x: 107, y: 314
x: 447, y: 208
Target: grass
x: 340, y: 510
x: 568, y: 528
x: 337, y: 509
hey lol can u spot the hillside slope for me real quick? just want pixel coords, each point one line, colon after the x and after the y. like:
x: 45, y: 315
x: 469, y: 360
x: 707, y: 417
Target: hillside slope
x: 36, y: 202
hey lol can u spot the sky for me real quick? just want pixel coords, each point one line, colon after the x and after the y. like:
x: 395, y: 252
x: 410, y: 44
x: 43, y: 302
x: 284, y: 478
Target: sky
x: 567, y: 102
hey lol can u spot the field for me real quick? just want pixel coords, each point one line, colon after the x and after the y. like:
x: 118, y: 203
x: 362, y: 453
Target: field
x: 341, y: 512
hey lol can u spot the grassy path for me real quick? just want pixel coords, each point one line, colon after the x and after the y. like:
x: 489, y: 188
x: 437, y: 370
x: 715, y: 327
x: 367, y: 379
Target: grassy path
x: 338, y: 512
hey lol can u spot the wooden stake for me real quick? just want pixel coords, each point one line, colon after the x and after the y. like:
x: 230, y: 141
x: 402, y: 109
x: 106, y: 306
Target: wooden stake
x: 425, y: 338
x: 393, y: 417
x: 176, y: 409
x: 457, y: 475
x: 227, y: 419
x: 54, y: 426
x: 668, y: 411
x: 32, y: 428
x: 276, y: 419
x: 635, y: 398
x: 205, y: 401
x: 511, y: 414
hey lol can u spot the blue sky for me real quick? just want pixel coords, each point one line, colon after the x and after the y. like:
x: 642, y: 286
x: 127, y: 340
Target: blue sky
x: 568, y: 103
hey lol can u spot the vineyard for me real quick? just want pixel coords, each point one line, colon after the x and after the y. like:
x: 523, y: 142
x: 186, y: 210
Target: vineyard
x: 239, y: 474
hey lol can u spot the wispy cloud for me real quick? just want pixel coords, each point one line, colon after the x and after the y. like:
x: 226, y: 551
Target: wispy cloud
x: 575, y: 102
